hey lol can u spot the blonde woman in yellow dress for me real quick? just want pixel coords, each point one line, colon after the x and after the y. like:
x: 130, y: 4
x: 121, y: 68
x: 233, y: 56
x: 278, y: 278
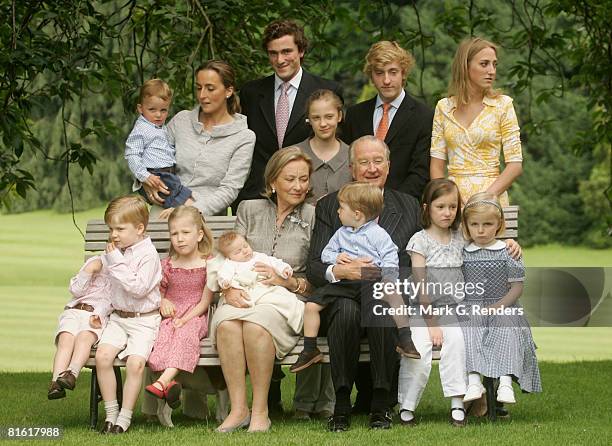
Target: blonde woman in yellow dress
x: 474, y: 125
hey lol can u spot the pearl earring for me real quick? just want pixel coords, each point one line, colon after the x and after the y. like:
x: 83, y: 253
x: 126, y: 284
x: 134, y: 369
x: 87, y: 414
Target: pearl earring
x: 273, y: 190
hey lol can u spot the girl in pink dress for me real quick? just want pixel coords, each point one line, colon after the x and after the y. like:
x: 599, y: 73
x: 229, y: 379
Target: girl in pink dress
x: 184, y: 305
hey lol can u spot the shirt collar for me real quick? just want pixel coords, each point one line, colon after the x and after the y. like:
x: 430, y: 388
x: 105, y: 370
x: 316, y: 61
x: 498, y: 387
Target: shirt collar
x: 294, y: 82
x: 140, y: 246
x: 144, y: 120
x: 452, y: 102
x: 337, y: 162
x: 494, y: 247
x: 395, y: 103
x: 363, y: 227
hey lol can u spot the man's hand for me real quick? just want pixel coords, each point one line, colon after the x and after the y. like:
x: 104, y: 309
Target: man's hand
x: 343, y: 258
x: 352, y: 270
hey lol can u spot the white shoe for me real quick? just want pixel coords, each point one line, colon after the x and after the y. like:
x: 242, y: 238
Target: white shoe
x: 473, y: 392
x: 505, y: 394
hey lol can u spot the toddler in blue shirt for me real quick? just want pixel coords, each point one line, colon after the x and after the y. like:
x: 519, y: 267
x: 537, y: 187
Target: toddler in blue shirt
x: 361, y: 204
x: 149, y: 154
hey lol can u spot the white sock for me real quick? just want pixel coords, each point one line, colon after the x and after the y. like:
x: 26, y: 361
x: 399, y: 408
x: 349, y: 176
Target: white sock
x: 505, y: 380
x: 75, y: 369
x: 112, y: 410
x: 406, y: 415
x: 457, y: 403
x: 473, y: 378
x: 124, y: 419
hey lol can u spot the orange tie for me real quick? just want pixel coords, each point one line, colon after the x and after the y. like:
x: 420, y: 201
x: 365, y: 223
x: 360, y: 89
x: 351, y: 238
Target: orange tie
x: 383, y: 125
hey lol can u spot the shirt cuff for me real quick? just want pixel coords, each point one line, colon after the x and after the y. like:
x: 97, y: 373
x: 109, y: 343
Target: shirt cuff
x: 114, y: 256
x: 329, y: 275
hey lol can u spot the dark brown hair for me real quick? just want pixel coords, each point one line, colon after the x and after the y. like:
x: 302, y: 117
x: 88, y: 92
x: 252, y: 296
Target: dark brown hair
x: 228, y: 77
x: 434, y: 190
x: 281, y: 28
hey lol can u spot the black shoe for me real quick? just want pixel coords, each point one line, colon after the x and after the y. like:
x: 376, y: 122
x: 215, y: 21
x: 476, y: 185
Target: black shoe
x: 116, y: 429
x: 55, y: 391
x: 338, y: 423
x: 380, y: 420
x: 107, y: 428
x: 306, y: 359
x: 502, y: 412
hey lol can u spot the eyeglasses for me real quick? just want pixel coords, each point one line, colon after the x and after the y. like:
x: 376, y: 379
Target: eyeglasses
x: 377, y: 162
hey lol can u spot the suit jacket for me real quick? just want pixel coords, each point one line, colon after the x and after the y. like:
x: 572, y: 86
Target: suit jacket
x: 257, y: 103
x: 400, y: 218
x: 408, y: 138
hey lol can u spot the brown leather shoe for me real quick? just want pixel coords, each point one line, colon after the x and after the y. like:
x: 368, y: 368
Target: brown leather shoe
x: 67, y: 380
x: 106, y: 428
x: 116, y: 429
x: 306, y: 359
x: 55, y: 391
x: 408, y: 350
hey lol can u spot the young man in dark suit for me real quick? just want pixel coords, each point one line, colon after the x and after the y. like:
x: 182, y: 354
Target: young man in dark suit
x: 369, y: 161
x: 395, y: 117
x: 275, y: 105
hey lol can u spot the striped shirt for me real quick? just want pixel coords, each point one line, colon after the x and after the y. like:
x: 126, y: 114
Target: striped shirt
x: 148, y: 147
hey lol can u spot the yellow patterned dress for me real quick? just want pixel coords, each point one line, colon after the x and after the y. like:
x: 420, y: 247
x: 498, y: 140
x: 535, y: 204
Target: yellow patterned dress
x: 473, y: 153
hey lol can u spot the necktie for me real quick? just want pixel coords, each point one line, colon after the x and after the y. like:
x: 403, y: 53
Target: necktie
x: 383, y: 125
x: 282, y: 114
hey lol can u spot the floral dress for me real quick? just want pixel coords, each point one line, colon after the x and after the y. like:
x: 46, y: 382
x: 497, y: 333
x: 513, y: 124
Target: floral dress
x: 180, y: 347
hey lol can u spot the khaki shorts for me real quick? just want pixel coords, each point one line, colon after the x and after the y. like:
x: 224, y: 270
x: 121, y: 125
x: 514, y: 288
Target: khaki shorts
x: 131, y: 335
x: 74, y: 322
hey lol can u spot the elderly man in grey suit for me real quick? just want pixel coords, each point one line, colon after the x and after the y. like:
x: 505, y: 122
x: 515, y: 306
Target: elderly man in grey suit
x: 369, y: 161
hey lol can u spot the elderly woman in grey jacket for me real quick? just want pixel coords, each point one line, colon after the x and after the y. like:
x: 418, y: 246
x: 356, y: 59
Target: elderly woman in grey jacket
x: 214, y: 146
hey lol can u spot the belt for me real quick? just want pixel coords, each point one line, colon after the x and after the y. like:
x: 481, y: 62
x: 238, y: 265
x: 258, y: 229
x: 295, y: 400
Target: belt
x: 125, y: 314
x: 83, y: 307
x: 170, y: 169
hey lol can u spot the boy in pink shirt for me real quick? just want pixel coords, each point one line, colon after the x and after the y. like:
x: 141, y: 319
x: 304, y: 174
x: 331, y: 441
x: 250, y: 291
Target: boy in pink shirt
x: 80, y: 325
x: 134, y: 268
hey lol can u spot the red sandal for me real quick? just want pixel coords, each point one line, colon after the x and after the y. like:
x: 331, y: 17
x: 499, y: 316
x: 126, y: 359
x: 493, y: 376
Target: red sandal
x: 158, y: 393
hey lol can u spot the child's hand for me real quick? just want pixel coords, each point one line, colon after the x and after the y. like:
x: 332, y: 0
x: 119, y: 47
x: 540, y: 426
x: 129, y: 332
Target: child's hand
x: 178, y: 322
x: 163, y: 215
x: 166, y: 308
x: 110, y: 247
x: 343, y: 258
x: 287, y: 273
x: 94, y: 267
x: 95, y: 322
x: 435, y: 334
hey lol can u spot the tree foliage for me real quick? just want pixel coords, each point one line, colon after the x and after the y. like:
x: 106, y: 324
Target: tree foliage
x: 70, y: 71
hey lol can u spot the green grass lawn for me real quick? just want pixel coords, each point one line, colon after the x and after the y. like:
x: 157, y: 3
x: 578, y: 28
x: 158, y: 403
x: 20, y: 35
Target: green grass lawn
x: 40, y: 251
x: 573, y: 409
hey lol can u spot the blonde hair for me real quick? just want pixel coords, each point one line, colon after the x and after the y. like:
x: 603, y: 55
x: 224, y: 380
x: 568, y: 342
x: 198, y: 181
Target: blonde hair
x: 384, y: 52
x: 157, y: 88
x: 277, y: 163
x: 206, y: 244
x: 127, y: 209
x: 480, y: 204
x: 364, y: 197
x: 459, y: 85
x: 226, y: 239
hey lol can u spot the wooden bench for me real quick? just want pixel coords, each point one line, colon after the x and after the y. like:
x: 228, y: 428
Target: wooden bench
x: 95, y: 242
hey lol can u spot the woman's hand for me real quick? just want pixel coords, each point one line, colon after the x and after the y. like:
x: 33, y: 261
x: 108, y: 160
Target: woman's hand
x: 270, y: 276
x: 166, y: 308
x: 236, y: 298
x: 435, y: 334
x: 514, y: 249
x: 163, y: 215
x: 153, y: 191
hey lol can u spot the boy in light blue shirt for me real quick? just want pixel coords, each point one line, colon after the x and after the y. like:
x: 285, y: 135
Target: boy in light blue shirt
x: 149, y: 154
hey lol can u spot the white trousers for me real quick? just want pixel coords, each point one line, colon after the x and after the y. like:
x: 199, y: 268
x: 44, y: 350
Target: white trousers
x: 414, y: 373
